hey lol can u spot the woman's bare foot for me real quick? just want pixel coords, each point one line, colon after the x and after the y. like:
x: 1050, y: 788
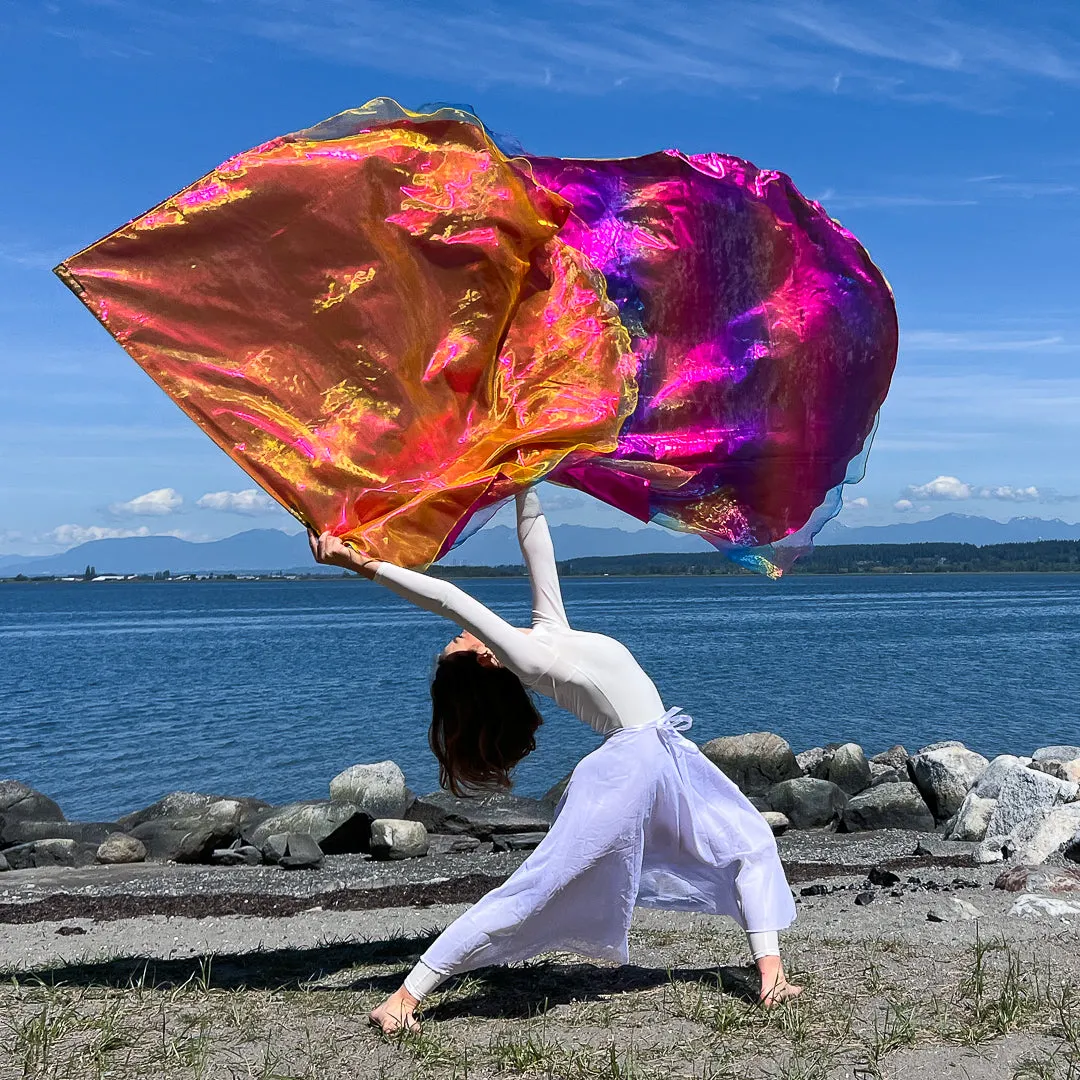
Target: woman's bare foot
x: 396, y: 1013
x: 774, y: 985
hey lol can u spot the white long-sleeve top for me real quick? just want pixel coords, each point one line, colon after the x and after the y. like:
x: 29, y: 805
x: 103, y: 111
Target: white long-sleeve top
x: 593, y: 676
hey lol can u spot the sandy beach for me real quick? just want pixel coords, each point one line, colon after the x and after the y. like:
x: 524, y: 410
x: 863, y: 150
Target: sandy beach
x: 104, y: 976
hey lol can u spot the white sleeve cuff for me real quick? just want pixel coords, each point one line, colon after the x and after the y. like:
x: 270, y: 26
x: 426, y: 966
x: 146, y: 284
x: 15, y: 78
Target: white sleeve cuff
x: 764, y: 943
x: 421, y: 981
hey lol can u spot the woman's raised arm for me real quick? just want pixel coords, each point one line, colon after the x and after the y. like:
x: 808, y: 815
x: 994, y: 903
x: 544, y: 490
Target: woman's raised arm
x: 526, y: 657
x: 539, y: 554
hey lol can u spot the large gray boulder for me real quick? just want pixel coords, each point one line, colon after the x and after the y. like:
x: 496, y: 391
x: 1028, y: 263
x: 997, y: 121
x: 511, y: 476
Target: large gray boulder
x: 944, y: 773
x: 1061, y: 770
x: 301, y: 853
x: 1052, y: 879
x: 990, y: 850
x: 190, y: 804
x: 972, y: 819
x: 1056, y: 753
x: 1030, y: 906
x: 20, y: 802
x: 21, y: 831
x: 808, y: 803
x: 848, y: 768
x: 396, y: 839
x: 890, y: 806
x: 52, y: 852
x: 943, y: 744
x: 482, y: 816
x: 886, y: 774
x: 184, y: 840
x: 988, y: 786
x: 338, y: 828
x: 118, y: 848
x: 811, y: 761
x: 377, y: 790
x: 1025, y: 792
x: 896, y: 757
x: 1043, y: 834
x: 754, y: 762
x: 4, y: 865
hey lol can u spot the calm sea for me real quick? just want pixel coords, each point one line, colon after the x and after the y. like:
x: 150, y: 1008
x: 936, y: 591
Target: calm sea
x: 114, y: 694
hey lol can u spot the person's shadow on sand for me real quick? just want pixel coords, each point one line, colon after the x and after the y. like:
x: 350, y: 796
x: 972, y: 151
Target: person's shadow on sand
x: 525, y: 990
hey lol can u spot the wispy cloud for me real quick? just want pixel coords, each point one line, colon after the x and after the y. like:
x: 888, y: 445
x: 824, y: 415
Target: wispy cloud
x: 1003, y: 186
x: 1001, y: 402
x: 976, y: 341
x: 949, y: 191
x: 30, y: 257
x: 915, y: 52
x: 837, y: 200
x: 70, y: 535
x: 925, y: 35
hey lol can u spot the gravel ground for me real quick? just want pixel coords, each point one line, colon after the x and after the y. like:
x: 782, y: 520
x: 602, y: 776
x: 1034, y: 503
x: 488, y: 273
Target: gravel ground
x: 131, y: 984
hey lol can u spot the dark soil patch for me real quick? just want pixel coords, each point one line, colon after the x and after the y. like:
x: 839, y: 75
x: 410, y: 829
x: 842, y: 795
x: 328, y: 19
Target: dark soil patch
x: 63, y: 906
x: 799, y: 873
x: 463, y: 890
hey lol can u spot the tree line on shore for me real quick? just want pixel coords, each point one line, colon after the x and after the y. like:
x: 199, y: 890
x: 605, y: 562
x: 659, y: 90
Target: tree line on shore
x: 1043, y: 556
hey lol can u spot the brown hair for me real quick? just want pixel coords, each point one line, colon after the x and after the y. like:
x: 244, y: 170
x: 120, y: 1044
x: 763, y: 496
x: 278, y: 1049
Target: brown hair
x: 483, y: 722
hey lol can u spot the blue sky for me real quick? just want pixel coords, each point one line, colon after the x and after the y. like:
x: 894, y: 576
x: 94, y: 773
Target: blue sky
x: 945, y: 135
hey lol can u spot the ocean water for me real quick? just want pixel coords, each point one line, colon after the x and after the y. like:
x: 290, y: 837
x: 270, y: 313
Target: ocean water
x: 113, y: 694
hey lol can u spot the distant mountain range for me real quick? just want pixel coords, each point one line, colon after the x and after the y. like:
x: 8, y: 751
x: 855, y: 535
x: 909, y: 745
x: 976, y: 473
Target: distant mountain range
x: 953, y: 529
x: 269, y: 550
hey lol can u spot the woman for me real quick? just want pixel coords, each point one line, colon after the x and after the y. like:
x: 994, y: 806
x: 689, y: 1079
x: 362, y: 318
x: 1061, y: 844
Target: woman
x: 646, y: 819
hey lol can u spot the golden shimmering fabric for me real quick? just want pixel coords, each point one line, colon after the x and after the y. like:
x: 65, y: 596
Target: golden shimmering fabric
x: 380, y: 326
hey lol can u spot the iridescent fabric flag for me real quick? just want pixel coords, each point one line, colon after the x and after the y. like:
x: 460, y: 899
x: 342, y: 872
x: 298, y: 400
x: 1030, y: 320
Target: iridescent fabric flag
x: 381, y: 327
x: 764, y: 340
x: 392, y: 325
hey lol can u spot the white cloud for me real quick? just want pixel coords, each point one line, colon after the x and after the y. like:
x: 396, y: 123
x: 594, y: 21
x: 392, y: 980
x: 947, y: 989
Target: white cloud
x: 152, y: 504
x: 1011, y: 494
x: 838, y: 200
x: 1025, y: 189
x: 34, y: 258
x: 954, y: 489
x: 964, y: 341
x: 905, y: 506
x: 861, y: 501
x: 71, y: 535
x: 941, y: 487
x: 252, y: 501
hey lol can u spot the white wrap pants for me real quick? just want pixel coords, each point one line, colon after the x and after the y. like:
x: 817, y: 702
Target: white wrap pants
x: 646, y: 820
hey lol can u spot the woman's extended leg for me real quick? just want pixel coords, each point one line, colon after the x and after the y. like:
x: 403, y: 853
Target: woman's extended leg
x: 576, y: 891
x: 775, y: 988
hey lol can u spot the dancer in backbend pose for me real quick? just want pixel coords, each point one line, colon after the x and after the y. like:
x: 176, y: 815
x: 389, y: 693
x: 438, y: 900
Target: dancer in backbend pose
x: 646, y: 819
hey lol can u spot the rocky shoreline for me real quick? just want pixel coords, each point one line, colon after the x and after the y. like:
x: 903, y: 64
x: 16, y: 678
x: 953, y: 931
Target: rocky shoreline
x: 1021, y: 812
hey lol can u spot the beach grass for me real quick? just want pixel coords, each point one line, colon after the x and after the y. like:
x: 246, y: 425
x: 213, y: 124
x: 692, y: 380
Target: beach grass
x: 872, y: 1009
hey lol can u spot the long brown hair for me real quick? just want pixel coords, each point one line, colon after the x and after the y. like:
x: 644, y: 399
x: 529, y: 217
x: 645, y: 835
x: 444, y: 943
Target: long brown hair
x: 483, y: 722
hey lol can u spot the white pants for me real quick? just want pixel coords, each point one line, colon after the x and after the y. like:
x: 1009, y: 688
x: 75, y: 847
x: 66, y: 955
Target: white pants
x: 646, y: 820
